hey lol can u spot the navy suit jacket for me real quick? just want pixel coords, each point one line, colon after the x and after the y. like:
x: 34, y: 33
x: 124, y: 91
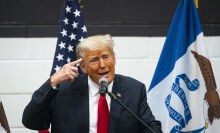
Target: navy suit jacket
x: 67, y: 109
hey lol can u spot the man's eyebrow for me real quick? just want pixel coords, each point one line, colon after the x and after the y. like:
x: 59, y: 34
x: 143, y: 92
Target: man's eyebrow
x: 106, y: 53
x: 93, y: 56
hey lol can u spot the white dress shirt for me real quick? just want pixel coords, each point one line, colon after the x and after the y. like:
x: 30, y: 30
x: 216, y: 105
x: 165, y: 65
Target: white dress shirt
x: 93, y: 103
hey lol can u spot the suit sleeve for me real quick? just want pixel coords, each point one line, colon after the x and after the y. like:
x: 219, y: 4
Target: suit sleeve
x: 146, y: 115
x: 37, y: 115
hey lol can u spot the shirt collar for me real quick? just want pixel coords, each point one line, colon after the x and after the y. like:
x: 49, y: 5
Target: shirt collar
x: 94, y: 88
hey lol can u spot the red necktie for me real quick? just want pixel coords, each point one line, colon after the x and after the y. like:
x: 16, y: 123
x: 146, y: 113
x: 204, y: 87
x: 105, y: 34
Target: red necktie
x: 44, y: 131
x: 103, y: 115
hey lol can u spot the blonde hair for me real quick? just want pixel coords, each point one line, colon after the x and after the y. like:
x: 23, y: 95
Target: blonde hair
x: 95, y: 43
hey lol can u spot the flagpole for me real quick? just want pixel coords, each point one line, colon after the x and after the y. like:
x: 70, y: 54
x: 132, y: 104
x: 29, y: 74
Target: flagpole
x: 3, y: 119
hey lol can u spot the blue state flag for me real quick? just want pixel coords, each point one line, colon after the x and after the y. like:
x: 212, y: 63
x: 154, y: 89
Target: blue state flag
x: 72, y: 31
x: 183, y: 93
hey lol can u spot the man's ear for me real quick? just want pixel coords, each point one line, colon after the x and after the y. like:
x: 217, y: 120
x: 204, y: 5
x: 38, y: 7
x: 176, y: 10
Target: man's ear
x: 83, y: 67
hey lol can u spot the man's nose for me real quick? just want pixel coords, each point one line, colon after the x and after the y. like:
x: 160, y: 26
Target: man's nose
x: 102, y: 63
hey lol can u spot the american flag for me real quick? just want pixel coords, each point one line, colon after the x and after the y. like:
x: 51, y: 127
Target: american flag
x: 72, y: 31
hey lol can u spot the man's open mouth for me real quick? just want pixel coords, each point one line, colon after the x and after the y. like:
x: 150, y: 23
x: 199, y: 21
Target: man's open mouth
x: 104, y: 74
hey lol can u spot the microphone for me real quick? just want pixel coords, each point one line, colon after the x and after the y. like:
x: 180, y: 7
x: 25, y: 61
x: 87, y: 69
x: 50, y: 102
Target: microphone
x: 103, y: 86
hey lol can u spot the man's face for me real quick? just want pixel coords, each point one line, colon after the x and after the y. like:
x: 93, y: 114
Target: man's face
x: 98, y: 64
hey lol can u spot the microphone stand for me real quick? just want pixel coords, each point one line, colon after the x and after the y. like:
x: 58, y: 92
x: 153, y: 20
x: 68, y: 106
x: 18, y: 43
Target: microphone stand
x: 113, y: 97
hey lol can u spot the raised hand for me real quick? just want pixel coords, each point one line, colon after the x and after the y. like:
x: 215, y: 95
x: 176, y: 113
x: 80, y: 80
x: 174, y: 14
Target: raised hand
x: 67, y: 72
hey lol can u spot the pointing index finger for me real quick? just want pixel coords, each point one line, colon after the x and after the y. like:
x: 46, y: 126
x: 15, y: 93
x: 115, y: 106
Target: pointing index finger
x: 76, y: 62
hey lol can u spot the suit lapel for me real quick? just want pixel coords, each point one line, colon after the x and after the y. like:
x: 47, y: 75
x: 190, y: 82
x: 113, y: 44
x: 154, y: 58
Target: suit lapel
x: 82, y: 99
x: 115, y: 107
x: 82, y: 103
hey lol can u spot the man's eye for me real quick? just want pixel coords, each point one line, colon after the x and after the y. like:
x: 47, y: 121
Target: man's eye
x: 106, y: 57
x: 93, y: 60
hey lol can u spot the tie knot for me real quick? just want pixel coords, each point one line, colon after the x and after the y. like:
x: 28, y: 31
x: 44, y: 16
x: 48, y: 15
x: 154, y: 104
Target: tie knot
x: 102, y: 97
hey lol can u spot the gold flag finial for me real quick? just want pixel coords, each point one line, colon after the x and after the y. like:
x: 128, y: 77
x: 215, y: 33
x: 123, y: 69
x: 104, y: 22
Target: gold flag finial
x: 81, y: 6
x: 197, y: 3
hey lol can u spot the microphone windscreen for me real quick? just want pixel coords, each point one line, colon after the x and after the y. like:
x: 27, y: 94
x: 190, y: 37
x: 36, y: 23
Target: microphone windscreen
x: 103, y: 80
x: 103, y: 86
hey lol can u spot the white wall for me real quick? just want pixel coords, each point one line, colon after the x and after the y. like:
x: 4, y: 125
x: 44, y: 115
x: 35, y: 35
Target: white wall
x: 25, y: 64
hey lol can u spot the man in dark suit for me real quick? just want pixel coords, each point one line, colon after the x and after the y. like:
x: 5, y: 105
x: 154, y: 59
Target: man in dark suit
x: 72, y: 104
